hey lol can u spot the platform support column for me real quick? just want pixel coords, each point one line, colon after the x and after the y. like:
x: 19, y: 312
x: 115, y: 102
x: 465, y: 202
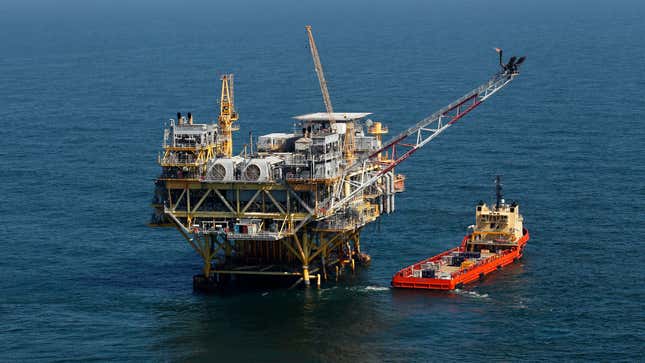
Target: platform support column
x: 207, y: 268
x: 323, y: 265
x: 305, y: 274
x: 228, y: 250
x: 357, y: 242
x: 304, y: 254
x: 207, y: 251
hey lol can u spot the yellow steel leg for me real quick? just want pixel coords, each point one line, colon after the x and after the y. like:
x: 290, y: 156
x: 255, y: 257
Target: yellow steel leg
x: 207, y: 267
x: 357, y: 242
x: 207, y: 251
x: 305, y: 274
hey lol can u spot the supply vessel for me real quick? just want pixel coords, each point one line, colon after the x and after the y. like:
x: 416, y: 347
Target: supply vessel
x: 290, y: 206
x: 497, y: 240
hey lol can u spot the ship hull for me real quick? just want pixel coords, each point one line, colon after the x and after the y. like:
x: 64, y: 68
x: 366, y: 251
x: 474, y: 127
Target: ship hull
x: 406, y: 279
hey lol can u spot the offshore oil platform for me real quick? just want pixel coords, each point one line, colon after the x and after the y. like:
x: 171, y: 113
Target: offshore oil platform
x: 293, y: 204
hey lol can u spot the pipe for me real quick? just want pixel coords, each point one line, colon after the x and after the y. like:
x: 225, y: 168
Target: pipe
x: 393, y: 191
x: 389, y: 191
x: 386, y: 194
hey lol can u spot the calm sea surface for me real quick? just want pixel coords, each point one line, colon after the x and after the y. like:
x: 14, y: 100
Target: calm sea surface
x: 85, y: 89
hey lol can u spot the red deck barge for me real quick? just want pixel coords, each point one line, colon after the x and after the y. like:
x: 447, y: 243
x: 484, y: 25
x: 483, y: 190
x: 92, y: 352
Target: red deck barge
x: 498, y: 239
x: 405, y: 278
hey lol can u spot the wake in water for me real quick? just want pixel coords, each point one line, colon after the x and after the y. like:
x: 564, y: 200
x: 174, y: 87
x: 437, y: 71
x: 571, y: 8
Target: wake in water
x: 371, y: 288
x: 470, y: 293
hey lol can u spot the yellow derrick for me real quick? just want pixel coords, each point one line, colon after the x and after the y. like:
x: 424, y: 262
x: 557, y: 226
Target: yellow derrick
x: 227, y: 115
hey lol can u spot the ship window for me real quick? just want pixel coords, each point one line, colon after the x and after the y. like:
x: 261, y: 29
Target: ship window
x: 512, y: 209
x: 492, y: 225
x: 479, y: 209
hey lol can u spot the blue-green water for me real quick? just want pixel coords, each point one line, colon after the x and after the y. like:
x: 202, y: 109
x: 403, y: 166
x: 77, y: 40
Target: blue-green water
x: 85, y: 88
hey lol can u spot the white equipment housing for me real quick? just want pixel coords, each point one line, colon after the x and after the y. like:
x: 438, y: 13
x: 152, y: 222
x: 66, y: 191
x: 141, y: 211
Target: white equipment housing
x: 260, y: 170
x: 223, y: 169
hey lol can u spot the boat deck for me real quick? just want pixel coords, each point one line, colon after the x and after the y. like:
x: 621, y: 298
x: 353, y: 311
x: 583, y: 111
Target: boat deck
x: 457, y: 266
x: 446, y: 265
x: 475, y: 261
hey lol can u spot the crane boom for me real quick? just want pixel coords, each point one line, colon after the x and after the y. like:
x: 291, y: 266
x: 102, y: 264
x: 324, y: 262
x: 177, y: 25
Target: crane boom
x: 348, y: 142
x: 423, y: 132
x: 460, y: 107
x: 321, y: 75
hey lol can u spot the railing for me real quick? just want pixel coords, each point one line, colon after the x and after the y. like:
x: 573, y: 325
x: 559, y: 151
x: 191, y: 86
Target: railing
x: 179, y: 174
x: 174, y: 159
x: 260, y: 236
x: 190, y: 145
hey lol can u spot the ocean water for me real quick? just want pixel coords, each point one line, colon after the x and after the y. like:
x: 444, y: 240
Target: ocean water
x: 86, y: 86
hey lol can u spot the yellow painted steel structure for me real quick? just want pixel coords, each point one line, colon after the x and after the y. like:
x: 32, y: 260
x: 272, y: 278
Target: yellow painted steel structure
x: 298, y: 247
x: 187, y: 160
x: 297, y: 236
x: 377, y: 129
x: 227, y: 116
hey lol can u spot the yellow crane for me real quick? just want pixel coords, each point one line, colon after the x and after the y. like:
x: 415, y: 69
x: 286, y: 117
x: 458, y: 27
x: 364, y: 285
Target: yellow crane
x: 227, y: 115
x: 349, y: 132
